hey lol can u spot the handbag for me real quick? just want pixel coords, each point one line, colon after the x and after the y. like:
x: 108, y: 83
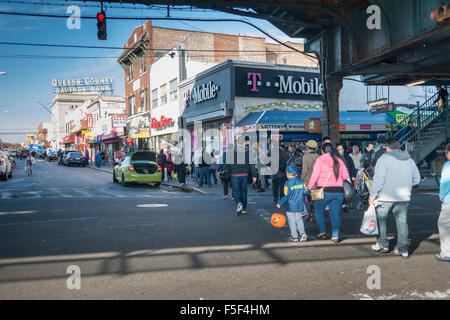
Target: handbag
x: 319, y: 194
x: 224, y: 174
x: 349, y: 192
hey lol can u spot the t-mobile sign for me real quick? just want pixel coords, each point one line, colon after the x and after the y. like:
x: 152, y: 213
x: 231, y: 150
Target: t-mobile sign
x: 269, y: 83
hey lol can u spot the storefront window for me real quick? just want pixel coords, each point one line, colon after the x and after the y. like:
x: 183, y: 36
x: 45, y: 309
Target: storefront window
x: 163, y: 94
x: 130, y: 72
x: 144, y: 99
x: 173, y: 90
x: 155, y: 98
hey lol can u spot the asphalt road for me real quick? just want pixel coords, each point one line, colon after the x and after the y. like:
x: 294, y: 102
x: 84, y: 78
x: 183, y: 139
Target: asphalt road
x: 143, y: 242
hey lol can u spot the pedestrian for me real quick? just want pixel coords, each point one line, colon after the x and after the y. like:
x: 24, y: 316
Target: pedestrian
x: 181, y: 170
x: 329, y: 173
x: 395, y: 175
x: 30, y: 161
x: 204, y: 165
x: 213, y: 167
x: 442, y: 97
x: 378, y: 150
x: 294, y: 194
x: 98, y: 160
x: 356, y: 157
x: 226, y: 175
x: 308, y: 161
x: 86, y: 157
x: 106, y: 158
x: 296, y: 160
x: 367, y: 156
x: 444, y: 217
x: 279, y: 178
x: 240, y: 168
x: 349, y: 165
x: 169, y: 167
x: 162, y: 162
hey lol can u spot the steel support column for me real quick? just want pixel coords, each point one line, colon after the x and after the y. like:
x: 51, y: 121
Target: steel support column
x: 330, y: 116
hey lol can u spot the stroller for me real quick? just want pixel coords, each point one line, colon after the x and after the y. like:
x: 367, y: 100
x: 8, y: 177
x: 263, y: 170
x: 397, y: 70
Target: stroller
x: 363, y: 185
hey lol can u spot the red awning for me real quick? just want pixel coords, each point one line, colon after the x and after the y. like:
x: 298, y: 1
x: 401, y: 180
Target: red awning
x: 69, y: 139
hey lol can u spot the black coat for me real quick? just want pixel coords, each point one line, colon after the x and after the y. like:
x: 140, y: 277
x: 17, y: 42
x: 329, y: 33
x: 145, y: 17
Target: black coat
x: 349, y: 164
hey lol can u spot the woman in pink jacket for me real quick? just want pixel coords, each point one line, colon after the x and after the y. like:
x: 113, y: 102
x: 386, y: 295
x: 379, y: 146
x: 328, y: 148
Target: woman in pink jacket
x: 329, y: 172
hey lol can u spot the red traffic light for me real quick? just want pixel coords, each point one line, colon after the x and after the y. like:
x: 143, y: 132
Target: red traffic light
x: 101, y: 16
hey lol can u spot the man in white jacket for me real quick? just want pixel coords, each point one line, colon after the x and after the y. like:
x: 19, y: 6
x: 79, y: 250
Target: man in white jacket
x: 395, y: 175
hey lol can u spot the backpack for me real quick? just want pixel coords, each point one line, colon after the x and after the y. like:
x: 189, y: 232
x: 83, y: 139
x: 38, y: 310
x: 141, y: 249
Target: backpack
x: 376, y: 156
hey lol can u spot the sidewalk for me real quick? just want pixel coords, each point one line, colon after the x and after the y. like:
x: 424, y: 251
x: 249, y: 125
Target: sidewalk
x: 108, y: 168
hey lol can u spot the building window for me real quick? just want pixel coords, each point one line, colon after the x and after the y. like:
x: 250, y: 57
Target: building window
x: 144, y: 99
x: 131, y: 105
x: 130, y: 72
x: 173, y: 90
x: 142, y: 64
x: 155, y: 98
x: 163, y: 94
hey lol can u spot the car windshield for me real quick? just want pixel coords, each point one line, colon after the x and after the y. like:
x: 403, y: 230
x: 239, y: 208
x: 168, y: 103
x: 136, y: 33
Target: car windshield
x: 75, y: 154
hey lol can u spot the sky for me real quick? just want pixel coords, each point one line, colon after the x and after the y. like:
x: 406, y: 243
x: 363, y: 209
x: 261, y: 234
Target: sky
x: 28, y: 79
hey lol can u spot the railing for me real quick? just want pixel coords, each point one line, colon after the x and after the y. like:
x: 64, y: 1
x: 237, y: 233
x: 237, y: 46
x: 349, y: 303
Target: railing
x: 427, y: 109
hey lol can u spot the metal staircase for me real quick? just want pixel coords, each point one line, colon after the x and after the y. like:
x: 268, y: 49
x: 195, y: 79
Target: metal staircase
x: 430, y: 129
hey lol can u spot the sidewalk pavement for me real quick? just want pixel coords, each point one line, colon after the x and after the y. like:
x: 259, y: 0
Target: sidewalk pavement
x: 428, y: 184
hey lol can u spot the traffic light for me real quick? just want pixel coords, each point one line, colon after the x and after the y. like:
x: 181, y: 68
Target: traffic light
x: 101, y: 25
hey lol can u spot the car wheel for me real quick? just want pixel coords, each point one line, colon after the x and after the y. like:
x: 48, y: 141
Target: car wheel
x: 114, y: 177
x: 157, y: 184
x: 5, y: 177
x: 123, y: 183
x: 10, y: 174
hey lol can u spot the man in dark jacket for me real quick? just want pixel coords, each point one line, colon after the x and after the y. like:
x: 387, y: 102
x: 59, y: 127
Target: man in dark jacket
x: 204, y: 169
x: 442, y: 95
x: 240, y: 168
x: 162, y: 162
x: 279, y: 178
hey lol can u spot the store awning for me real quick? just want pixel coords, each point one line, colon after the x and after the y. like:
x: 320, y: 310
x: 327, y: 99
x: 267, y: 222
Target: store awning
x: 140, y: 135
x: 68, y: 139
x: 294, y: 120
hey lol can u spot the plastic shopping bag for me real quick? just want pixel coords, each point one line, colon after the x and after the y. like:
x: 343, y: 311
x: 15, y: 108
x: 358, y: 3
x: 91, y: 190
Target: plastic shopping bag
x: 369, y: 224
x: 25, y: 169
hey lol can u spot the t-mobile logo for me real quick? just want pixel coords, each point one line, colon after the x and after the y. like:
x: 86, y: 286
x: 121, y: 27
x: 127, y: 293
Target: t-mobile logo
x: 254, y: 80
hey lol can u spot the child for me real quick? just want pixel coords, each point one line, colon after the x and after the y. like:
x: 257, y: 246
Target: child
x: 294, y: 193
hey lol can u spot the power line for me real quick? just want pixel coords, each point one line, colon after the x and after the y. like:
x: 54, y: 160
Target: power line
x: 163, y: 18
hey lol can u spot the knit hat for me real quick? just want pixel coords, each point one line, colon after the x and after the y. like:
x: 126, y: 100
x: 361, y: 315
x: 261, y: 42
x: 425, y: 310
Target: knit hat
x: 311, y: 144
x: 292, y: 170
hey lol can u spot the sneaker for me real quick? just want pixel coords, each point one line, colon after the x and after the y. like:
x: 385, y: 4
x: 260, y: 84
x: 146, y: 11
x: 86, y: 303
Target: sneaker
x: 378, y: 248
x: 225, y: 197
x: 442, y: 258
x: 239, y: 209
x: 294, y: 239
x: 404, y: 255
x: 304, y: 237
x: 244, y: 211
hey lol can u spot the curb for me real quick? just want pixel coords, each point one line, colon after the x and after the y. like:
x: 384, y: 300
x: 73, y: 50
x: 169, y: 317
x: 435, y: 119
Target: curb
x: 95, y: 168
x: 186, y: 189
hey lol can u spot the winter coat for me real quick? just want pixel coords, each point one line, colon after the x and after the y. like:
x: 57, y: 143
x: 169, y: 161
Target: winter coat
x: 294, y: 194
x: 321, y: 171
x: 308, y: 161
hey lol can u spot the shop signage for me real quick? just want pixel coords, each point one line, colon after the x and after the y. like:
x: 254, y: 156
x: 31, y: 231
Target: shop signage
x: 354, y: 136
x: 382, y: 108
x: 313, y: 125
x: 276, y: 137
x: 85, y: 131
x: 204, y: 92
x: 87, y: 84
x: 90, y: 121
x: 120, y: 131
x: 285, y: 104
x: 119, y: 120
x: 164, y: 122
x: 281, y: 127
x: 269, y: 83
x: 365, y: 127
x: 89, y: 136
x: 226, y: 125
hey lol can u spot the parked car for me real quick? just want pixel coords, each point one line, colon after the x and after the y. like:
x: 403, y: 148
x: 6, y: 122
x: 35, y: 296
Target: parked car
x: 74, y: 158
x: 14, y: 153
x: 63, y: 156
x: 52, y: 156
x: 139, y: 167
x: 12, y: 161
x: 5, y: 166
x: 24, y: 153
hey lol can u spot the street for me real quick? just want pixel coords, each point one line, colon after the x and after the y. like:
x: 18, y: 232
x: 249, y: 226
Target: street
x: 143, y: 242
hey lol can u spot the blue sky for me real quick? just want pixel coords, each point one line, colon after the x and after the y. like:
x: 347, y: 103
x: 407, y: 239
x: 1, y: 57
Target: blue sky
x: 28, y: 80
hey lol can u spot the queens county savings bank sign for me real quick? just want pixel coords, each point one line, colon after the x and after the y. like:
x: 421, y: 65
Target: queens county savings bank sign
x: 275, y: 83
x: 68, y: 86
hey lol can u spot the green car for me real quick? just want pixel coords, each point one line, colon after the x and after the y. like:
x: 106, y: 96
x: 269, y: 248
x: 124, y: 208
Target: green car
x: 139, y: 167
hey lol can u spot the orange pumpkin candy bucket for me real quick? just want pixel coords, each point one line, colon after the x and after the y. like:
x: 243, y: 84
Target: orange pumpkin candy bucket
x: 278, y: 220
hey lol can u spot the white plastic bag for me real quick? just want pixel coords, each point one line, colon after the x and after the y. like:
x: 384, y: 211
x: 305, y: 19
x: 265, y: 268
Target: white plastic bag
x: 369, y: 224
x: 25, y: 169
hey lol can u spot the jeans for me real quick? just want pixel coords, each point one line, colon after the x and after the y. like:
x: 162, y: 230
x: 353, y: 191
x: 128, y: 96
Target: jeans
x: 277, y: 188
x: 196, y: 174
x: 212, y: 172
x: 204, y: 172
x: 295, y: 223
x: 226, y: 186
x: 334, y: 202
x: 400, y: 211
x: 239, y: 188
x: 444, y: 230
